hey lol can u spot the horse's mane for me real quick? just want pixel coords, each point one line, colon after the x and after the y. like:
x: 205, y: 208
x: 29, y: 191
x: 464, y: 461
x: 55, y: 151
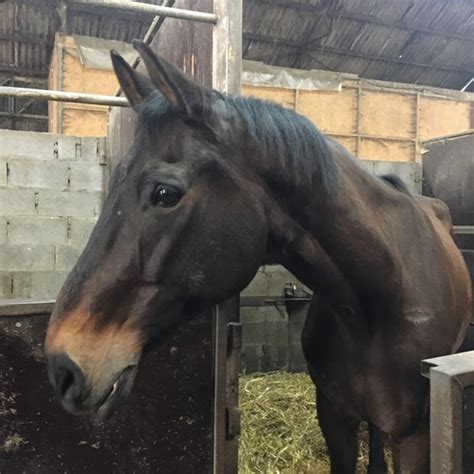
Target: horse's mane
x: 289, y: 141
x: 394, y: 181
x: 294, y: 149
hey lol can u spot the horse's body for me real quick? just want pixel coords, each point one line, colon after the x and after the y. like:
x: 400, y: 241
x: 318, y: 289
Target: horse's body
x: 412, y: 290
x: 214, y: 187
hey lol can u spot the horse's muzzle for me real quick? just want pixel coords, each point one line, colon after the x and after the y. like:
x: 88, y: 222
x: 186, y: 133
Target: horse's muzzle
x: 77, y: 398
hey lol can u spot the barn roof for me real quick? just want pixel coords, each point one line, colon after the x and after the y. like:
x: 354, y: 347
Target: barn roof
x: 426, y: 42
x: 416, y: 41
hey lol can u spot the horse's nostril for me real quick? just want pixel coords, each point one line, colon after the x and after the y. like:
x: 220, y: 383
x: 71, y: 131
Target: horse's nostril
x: 66, y: 376
x: 65, y: 380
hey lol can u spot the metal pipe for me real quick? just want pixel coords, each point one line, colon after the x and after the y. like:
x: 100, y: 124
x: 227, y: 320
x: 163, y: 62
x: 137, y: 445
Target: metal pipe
x: 463, y: 229
x: 154, y: 10
x: 59, y: 96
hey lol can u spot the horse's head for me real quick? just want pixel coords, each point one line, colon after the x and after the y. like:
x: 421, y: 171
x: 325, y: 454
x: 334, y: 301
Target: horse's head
x: 183, y: 227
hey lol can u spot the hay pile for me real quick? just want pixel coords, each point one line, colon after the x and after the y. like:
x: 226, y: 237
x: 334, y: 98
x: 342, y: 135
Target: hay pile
x: 279, y: 431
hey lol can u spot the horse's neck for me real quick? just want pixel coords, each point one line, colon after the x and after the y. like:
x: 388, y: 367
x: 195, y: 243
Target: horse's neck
x: 335, y: 245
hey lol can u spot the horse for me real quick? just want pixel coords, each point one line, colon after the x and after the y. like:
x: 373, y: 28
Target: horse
x: 212, y: 188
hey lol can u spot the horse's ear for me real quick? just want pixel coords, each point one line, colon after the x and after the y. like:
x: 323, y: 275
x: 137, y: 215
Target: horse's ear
x: 134, y: 85
x: 181, y: 91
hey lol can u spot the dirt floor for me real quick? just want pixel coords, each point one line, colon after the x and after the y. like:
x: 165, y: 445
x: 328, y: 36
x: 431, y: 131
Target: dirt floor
x: 280, y: 432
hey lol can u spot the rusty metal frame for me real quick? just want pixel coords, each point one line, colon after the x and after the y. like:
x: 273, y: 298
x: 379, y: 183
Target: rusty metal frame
x: 449, y: 376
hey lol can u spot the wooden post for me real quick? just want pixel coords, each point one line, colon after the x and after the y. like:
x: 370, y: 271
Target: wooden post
x: 451, y: 412
x: 227, y: 78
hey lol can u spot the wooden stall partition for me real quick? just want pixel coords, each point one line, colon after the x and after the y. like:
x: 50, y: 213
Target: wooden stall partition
x: 439, y: 117
x: 374, y: 120
x: 69, y: 74
x: 285, y: 97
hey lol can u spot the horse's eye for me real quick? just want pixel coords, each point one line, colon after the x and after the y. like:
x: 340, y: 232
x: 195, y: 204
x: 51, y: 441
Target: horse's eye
x: 165, y: 195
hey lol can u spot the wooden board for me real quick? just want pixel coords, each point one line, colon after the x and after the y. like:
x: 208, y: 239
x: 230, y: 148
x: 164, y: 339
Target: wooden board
x: 80, y: 122
x: 68, y: 74
x: 387, y: 114
x: 382, y: 121
x: 387, y: 150
x: 284, y: 97
x: 350, y: 144
x: 330, y: 111
x: 438, y: 117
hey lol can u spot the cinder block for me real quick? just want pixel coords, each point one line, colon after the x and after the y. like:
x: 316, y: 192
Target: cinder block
x: 102, y: 151
x: 250, y: 358
x: 34, y: 174
x: 46, y: 285
x: 5, y: 285
x: 253, y: 333
x: 37, y: 230
x: 21, y: 283
x: 276, y: 333
x: 3, y: 173
x: 32, y: 145
x: 296, y: 323
x: 26, y: 257
x: 79, y: 231
x: 3, y: 232
x: 17, y: 202
x: 66, y: 257
x: 277, y: 313
x: 67, y: 148
x: 89, y: 150
x: 281, y: 357
x: 297, y: 361
x: 68, y: 204
x: 253, y: 314
x: 278, y: 277
x: 258, y: 286
x: 86, y: 176
x: 268, y: 358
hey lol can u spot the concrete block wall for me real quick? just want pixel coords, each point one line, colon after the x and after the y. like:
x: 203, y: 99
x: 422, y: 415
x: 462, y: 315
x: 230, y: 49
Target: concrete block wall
x: 51, y: 193
x: 271, y: 333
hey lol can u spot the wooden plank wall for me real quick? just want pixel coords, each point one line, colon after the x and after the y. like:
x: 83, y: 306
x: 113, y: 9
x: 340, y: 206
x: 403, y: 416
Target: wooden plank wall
x: 372, y: 119
x: 376, y: 122
x: 68, y: 74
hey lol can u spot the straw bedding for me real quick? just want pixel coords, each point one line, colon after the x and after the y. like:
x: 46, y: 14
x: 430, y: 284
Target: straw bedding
x: 279, y: 431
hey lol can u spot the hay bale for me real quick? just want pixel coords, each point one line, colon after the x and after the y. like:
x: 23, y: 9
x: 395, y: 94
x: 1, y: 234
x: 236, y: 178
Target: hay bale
x: 280, y: 433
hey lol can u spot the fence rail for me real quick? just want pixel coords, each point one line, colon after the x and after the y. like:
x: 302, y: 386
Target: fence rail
x: 59, y: 96
x: 149, y: 9
x: 463, y: 229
